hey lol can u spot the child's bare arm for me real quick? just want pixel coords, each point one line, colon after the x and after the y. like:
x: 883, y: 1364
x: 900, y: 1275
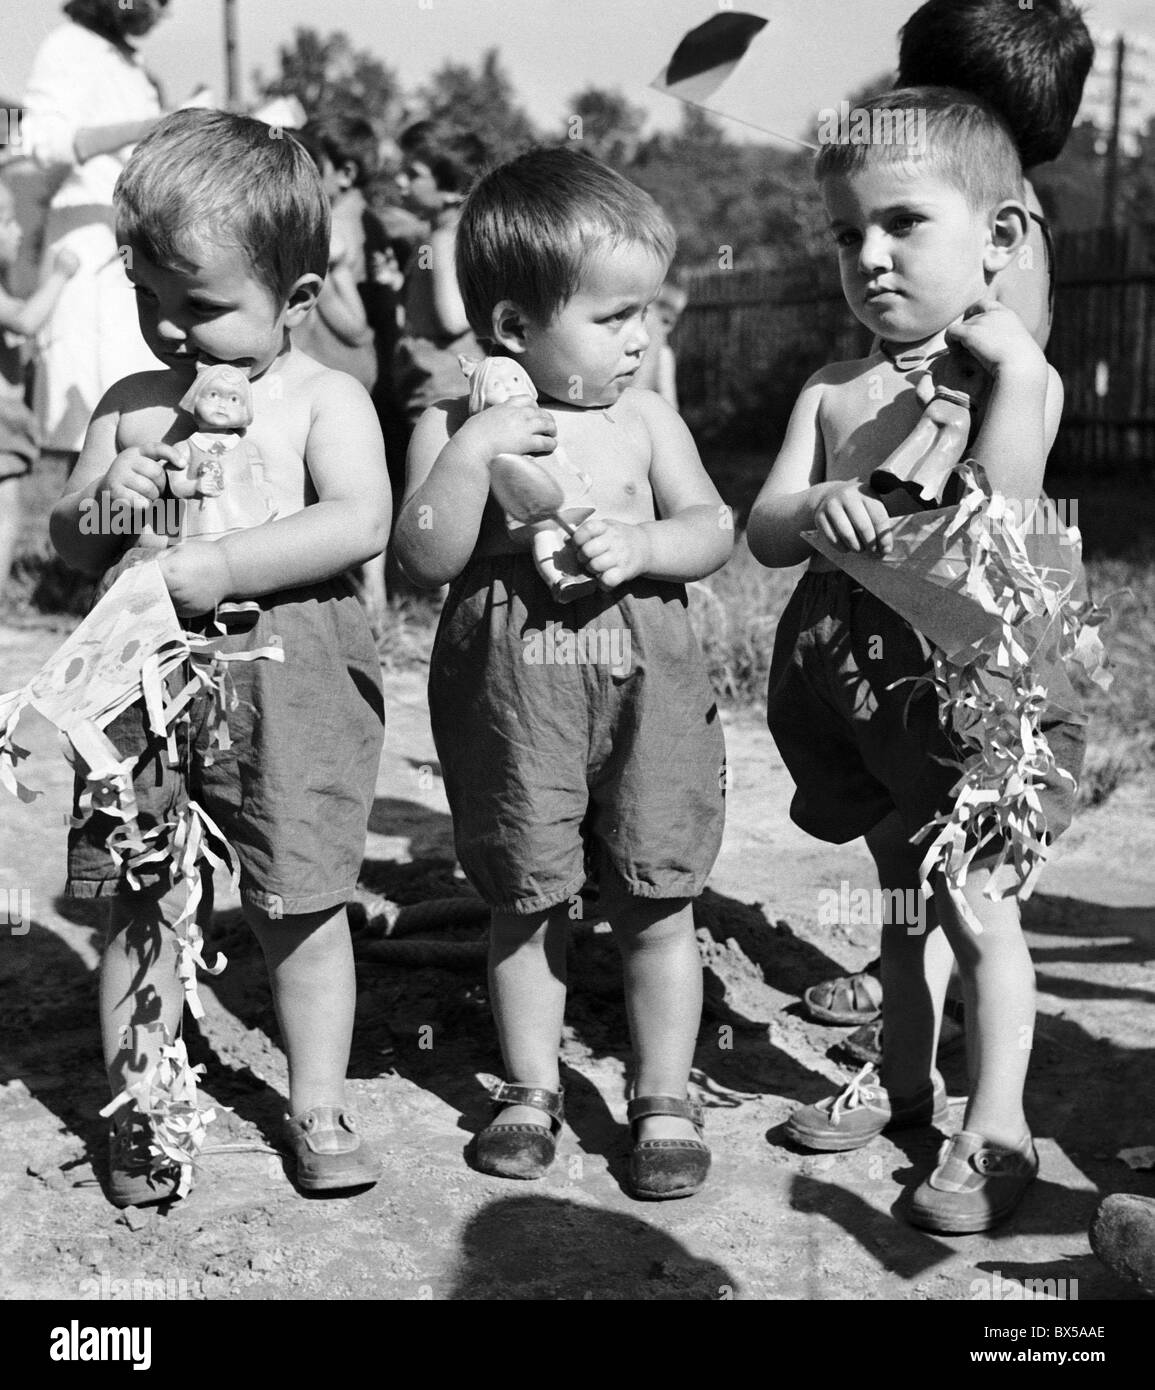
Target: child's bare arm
x: 29, y: 315
x: 1022, y: 414
x: 447, y: 302
x: 347, y: 525
x: 134, y: 477
x: 796, y: 497
x: 694, y: 534
x: 448, y: 482
x: 339, y: 301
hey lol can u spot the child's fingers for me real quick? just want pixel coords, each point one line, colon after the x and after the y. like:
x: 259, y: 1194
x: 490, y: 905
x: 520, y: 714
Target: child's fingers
x: 595, y: 526
x: 836, y: 526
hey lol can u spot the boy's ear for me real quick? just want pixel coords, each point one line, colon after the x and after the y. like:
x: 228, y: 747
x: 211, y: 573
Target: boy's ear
x: 301, y: 298
x: 1009, y: 226
x: 509, y: 326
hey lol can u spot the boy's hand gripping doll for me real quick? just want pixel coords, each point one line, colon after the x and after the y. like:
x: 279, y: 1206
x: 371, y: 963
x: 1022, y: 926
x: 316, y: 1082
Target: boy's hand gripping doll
x: 540, y: 496
x: 218, y: 473
x: 923, y: 462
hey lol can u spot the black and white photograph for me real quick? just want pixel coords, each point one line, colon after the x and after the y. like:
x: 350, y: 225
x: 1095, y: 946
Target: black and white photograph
x: 577, y: 618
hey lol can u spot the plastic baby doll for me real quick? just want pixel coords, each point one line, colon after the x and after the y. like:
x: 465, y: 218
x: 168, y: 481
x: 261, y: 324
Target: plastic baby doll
x: 219, y: 473
x: 493, y: 381
x: 923, y: 462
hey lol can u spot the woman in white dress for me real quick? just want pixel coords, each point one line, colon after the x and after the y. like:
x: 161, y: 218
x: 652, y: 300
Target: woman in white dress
x: 88, y: 101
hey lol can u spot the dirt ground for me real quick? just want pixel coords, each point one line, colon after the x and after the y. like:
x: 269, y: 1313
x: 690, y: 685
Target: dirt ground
x: 772, y: 1223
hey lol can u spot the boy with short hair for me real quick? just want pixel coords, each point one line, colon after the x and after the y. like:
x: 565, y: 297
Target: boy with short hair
x: 580, y: 763
x: 920, y: 232
x: 228, y: 233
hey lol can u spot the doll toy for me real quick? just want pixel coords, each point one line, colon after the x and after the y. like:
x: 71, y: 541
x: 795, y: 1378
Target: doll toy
x: 493, y: 381
x: 219, y: 476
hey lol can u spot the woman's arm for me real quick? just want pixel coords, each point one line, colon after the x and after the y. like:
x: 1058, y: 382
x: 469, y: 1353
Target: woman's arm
x: 29, y: 315
x: 92, y: 140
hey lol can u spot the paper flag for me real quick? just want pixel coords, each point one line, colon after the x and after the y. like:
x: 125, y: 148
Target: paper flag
x: 706, y: 57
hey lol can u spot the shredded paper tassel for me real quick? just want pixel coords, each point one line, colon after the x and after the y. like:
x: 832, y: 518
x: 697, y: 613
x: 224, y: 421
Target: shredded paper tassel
x: 1003, y: 602
x: 131, y: 647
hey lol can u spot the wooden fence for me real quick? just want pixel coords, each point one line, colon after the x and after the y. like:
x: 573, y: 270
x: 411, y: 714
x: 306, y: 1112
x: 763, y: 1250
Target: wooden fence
x: 749, y: 338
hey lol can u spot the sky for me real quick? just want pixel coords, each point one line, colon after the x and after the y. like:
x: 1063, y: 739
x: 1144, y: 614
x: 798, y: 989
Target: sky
x: 811, y: 54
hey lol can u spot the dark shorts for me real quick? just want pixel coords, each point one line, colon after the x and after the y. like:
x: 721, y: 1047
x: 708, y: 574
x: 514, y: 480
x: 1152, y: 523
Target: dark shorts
x: 859, y: 749
x: 575, y: 737
x: 294, y: 792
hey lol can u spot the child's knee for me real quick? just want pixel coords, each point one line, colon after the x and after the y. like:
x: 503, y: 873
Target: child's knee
x: 650, y: 923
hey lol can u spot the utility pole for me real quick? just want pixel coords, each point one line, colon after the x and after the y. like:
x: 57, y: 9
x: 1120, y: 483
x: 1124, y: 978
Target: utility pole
x: 1111, y: 182
x: 232, y: 58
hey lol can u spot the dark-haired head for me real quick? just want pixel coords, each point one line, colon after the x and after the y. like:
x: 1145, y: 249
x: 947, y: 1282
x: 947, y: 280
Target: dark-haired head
x: 208, y: 177
x: 531, y: 226
x: 1029, y: 63
x: 344, y: 141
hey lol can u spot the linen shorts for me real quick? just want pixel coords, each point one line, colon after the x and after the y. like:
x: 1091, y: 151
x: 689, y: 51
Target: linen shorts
x: 293, y: 793
x: 575, y: 738
x: 859, y: 747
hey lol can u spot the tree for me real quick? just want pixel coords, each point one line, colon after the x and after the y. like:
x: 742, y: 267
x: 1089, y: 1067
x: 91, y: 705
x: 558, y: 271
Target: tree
x: 607, y: 124
x: 481, y: 104
x: 329, y: 76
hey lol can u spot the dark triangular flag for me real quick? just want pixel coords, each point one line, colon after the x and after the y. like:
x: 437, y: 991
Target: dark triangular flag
x: 708, y: 55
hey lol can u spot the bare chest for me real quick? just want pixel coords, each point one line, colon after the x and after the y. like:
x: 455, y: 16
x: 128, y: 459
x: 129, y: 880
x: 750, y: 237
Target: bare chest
x: 612, y: 449
x: 864, y: 420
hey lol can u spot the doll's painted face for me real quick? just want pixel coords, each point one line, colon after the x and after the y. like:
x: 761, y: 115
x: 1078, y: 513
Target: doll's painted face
x: 220, y: 399
x: 497, y: 380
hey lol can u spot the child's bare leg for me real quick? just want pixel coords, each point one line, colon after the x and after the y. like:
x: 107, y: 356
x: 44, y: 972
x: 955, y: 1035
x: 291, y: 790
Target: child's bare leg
x: 527, y: 983
x: 10, y: 510
x: 663, y: 986
x: 915, y: 966
x: 141, y: 994
x: 998, y: 980
x: 310, y: 962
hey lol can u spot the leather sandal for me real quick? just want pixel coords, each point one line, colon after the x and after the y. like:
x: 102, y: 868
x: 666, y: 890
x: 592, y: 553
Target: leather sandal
x: 845, y: 1000
x: 665, y: 1168
x: 522, y: 1150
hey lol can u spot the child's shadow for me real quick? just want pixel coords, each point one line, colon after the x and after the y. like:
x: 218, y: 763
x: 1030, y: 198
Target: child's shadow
x: 538, y: 1247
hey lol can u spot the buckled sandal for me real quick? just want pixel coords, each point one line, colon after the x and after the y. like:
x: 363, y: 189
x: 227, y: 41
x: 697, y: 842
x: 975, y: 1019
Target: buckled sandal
x: 974, y: 1186
x: 520, y: 1150
x: 665, y: 1168
x: 329, y: 1151
x: 845, y: 1000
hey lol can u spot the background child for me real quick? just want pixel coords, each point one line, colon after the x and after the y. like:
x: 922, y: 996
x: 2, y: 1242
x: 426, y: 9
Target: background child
x: 659, y: 369
x: 19, y: 319
x: 920, y: 235
x: 1030, y: 65
x: 353, y: 327
x: 229, y: 233
x: 570, y: 763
